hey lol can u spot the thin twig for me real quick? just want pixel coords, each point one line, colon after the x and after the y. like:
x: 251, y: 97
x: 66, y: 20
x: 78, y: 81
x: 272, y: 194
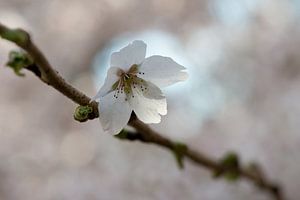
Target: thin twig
x: 144, y: 132
x: 48, y: 74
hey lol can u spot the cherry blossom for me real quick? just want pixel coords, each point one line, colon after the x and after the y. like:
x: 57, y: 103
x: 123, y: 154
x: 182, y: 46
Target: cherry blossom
x: 133, y: 83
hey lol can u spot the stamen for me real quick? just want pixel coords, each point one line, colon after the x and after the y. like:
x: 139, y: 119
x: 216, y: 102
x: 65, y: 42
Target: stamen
x: 129, y: 81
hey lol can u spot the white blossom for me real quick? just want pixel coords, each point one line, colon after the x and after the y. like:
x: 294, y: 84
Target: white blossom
x: 133, y: 84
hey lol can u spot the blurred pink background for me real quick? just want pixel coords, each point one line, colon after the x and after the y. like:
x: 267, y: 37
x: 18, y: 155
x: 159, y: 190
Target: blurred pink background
x: 243, y: 95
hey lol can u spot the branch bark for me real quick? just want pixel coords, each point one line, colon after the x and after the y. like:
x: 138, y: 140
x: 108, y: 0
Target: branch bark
x: 48, y: 74
x: 144, y: 133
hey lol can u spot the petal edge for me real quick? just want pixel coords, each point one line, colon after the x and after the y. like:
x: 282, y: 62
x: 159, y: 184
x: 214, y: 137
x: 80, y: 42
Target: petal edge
x: 133, y: 53
x: 162, y: 71
x: 114, y: 113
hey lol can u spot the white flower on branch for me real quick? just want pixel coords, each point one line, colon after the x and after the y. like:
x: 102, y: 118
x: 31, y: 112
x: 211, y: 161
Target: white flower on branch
x: 133, y: 84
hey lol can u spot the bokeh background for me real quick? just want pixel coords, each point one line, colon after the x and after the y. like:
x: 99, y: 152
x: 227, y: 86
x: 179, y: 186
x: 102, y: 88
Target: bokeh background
x: 242, y: 95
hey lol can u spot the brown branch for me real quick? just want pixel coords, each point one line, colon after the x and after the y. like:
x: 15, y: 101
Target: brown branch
x: 144, y: 133
x: 48, y: 74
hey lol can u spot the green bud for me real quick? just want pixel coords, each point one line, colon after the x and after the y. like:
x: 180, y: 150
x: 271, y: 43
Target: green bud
x: 179, y: 151
x: 230, y: 160
x: 19, y: 60
x: 229, y: 167
x: 81, y: 113
x: 18, y: 36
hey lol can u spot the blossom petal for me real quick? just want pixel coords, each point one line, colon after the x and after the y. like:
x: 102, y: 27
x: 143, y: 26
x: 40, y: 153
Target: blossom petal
x: 148, y: 103
x: 114, y: 113
x: 162, y: 71
x: 134, y: 53
x: 110, y: 80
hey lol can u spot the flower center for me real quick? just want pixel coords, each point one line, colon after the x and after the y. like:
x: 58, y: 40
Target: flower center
x: 129, y: 81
